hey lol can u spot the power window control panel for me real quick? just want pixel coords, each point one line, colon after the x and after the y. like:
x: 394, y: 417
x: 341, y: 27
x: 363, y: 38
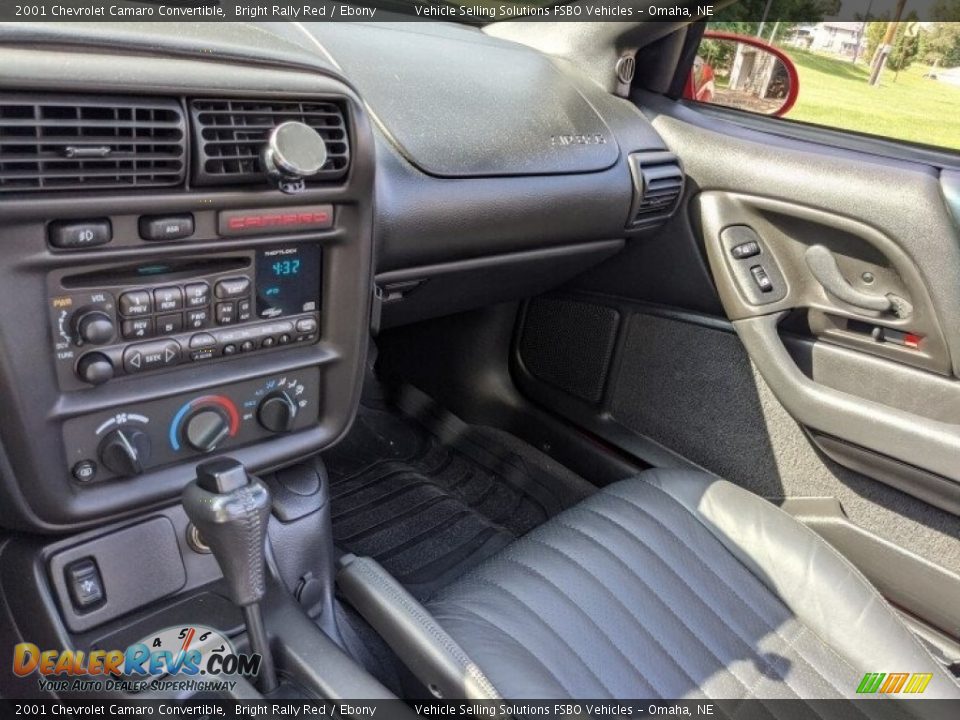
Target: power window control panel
x: 752, y: 265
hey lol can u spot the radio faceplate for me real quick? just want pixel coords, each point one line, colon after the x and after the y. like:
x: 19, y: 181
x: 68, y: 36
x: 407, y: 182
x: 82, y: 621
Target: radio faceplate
x: 115, y: 320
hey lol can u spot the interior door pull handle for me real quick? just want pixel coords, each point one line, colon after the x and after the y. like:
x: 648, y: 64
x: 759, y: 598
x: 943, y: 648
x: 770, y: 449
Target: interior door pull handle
x: 824, y: 267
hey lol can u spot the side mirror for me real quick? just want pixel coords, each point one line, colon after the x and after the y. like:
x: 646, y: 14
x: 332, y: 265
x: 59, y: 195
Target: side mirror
x: 744, y: 73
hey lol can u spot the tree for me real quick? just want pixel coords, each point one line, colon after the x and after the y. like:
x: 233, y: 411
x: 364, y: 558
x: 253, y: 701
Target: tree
x: 875, y: 32
x: 942, y: 45
x: 905, y: 46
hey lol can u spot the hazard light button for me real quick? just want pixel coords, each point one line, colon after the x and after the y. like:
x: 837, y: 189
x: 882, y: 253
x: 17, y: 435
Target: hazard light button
x: 151, y: 356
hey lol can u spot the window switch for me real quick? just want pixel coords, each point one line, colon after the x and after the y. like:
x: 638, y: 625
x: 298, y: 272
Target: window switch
x: 745, y: 250
x: 761, y: 278
x: 84, y: 584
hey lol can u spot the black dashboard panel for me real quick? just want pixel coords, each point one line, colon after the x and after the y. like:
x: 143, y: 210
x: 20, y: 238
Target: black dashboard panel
x: 471, y: 106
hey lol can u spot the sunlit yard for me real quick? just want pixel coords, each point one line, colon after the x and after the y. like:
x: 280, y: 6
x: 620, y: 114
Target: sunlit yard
x: 834, y: 92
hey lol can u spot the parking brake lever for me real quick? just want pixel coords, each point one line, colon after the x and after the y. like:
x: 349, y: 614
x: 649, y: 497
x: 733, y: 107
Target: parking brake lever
x: 230, y: 510
x: 824, y: 267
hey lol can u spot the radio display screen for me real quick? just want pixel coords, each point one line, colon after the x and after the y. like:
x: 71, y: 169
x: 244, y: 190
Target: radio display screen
x: 288, y: 280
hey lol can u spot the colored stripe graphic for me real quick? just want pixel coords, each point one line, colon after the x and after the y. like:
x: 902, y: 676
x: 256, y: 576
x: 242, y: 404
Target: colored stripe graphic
x: 870, y: 682
x: 894, y: 683
x: 918, y: 682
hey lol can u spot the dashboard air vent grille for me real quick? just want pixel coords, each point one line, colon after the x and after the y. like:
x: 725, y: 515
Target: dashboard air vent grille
x: 230, y: 133
x: 657, y: 187
x: 62, y: 142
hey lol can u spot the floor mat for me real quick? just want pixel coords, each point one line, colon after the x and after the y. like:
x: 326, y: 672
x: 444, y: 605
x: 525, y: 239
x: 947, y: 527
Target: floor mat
x: 429, y: 496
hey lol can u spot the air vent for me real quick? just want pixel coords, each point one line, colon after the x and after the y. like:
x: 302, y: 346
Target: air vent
x: 230, y: 134
x: 62, y: 142
x: 657, y: 187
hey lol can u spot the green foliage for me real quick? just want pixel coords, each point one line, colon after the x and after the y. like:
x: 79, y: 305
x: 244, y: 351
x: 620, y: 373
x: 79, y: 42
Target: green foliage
x: 942, y: 45
x: 875, y: 31
x: 905, y: 47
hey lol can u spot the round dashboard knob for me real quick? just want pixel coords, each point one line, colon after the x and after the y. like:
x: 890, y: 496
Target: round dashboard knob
x: 294, y: 150
x: 277, y: 411
x: 124, y: 450
x: 94, y: 327
x: 205, y: 429
x: 95, y: 368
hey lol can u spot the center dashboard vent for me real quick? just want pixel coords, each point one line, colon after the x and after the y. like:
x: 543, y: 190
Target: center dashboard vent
x: 64, y: 142
x: 657, y: 187
x: 229, y: 135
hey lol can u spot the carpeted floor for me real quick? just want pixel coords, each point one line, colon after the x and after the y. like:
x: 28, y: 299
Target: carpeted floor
x: 429, y: 496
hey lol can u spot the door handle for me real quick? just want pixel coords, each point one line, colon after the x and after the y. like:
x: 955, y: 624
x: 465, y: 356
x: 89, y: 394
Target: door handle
x: 824, y: 267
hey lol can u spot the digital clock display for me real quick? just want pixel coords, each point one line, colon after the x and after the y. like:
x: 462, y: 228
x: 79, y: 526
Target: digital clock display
x: 283, y: 268
x: 288, y: 280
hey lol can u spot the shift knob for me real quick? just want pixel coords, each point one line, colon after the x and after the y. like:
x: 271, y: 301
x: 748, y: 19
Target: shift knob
x: 230, y: 510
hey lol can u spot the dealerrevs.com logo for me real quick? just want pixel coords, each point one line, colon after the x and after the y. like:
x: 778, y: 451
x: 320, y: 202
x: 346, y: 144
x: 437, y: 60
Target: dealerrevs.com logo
x: 192, y: 658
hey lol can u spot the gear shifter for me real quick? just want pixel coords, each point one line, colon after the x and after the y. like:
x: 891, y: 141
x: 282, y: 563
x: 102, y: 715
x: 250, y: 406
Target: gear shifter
x: 230, y: 510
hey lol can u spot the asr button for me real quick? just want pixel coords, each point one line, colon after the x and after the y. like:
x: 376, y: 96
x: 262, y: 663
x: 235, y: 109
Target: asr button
x: 168, y: 227
x: 81, y: 234
x: 151, y: 356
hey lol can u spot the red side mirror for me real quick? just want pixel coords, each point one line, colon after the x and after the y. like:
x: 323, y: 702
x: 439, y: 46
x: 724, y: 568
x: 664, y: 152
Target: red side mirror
x: 742, y: 72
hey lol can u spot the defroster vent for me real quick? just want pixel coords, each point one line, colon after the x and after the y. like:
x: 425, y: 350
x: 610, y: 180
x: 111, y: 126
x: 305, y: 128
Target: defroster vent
x: 63, y: 142
x: 230, y: 134
x: 657, y: 187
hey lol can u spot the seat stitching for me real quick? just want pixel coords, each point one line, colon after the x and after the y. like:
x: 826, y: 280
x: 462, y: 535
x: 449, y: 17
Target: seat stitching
x: 630, y: 570
x: 493, y: 625
x: 599, y: 583
x: 530, y: 569
x: 526, y: 606
x: 821, y: 543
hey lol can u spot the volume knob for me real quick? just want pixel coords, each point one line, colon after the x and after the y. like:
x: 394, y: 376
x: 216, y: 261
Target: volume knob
x: 277, y: 411
x: 94, y: 327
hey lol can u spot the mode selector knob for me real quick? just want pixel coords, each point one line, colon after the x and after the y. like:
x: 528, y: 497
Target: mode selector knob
x: 205, y: 429
x: 93, y: 327
x: 124, y: 450
x: 277, y: 411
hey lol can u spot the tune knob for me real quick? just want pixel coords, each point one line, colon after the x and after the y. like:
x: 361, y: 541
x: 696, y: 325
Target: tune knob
x: 124, y: 450
x: 277, y: 411
x: 94, y: 327
x: 205, y: 429
x: 95, y: 368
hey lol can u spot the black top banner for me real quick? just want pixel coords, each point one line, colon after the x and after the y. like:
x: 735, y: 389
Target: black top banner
x: 477, y: 12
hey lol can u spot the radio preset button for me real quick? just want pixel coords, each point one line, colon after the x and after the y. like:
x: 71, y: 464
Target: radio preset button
x: 230, y: 349
x: 167, y: 299
x: 135, y: 304
x: 151, y: 356
x: 230, y: 288
x: 247, y: 346
x: 169, y: 324
x: 138, y: 329
x: 226, y: 313
x: 197, y: 319
x: 198, y: 294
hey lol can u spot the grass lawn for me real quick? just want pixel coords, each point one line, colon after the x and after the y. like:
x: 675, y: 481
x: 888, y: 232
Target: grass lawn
x: 835, y: 93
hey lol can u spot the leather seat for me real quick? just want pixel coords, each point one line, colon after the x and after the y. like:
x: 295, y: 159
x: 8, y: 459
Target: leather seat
x: 670, y: 585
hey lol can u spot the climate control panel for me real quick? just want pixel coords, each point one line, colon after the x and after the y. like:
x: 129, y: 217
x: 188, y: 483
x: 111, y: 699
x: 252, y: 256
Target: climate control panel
x: 128, y: 442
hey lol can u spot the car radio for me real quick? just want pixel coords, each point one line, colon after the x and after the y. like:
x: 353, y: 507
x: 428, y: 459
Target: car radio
x: 124, y: 320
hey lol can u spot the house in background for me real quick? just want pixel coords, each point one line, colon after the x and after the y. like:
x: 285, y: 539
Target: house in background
x: 836, y: 38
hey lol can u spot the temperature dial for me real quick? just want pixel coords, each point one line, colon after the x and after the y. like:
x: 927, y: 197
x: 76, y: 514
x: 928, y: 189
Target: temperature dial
x: 204, y: 423
x: 277, y: 411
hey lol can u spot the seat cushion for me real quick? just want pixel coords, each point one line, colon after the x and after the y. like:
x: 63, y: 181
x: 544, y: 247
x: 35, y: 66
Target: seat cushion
x: 677, y: 585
